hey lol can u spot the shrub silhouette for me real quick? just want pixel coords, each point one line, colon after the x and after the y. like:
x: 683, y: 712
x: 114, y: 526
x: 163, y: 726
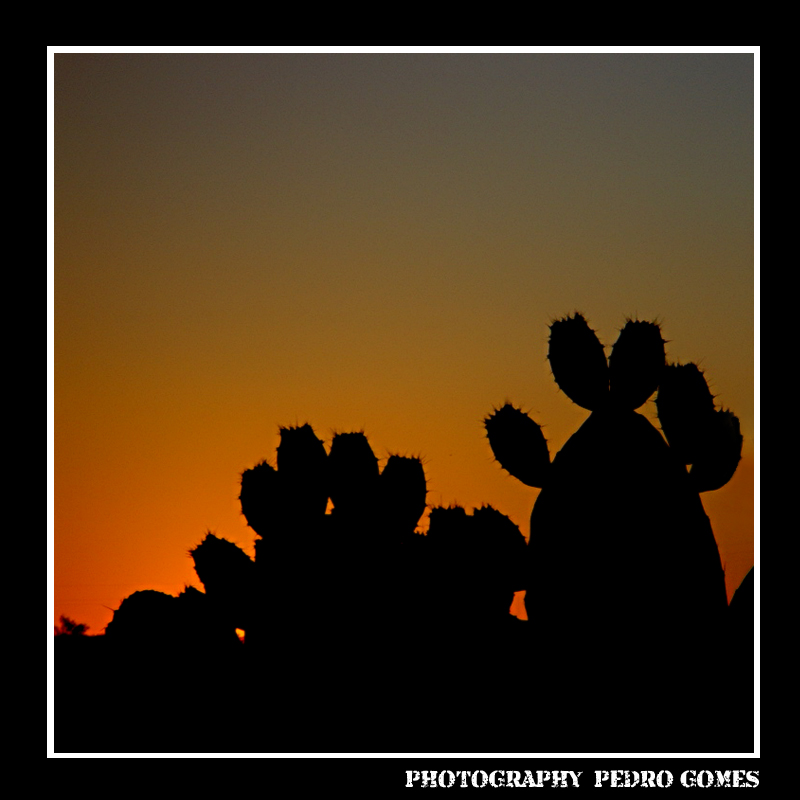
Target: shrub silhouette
x: 152, y: 624
x: 622, y: 562
x: 68, y: 627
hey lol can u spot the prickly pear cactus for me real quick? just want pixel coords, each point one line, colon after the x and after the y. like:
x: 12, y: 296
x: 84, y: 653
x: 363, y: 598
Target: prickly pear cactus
x: 295, y: 495
x: 316, y: 571
x: 620, y: 545
x: 478, y: 562
x: 228, y: 575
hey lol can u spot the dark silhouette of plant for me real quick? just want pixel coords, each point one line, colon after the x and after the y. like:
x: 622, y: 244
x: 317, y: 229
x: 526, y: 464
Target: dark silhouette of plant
x: 228, y: 576
x: 622, y: 562
x: 355, y: 620
x: 68, y: 627
x: 333, y: 602
x: 468, y: 567
x: 191, y: 624
x: 478, y: 563
x: 315, y: 572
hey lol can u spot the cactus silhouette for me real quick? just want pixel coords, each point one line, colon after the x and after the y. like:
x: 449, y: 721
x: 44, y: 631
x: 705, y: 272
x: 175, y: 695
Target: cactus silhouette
x: 620, y: 546
x: 335, y: 603
x: 309, y: 565
x: 350, y: 613
x: 338, y: 581
x: 479, y: 560
x: 228, y: 575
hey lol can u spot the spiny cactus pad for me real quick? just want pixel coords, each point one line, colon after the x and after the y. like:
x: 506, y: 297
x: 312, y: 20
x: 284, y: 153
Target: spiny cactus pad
x: 260, y: 496
x: 302, y: 470
x: 578, y: 362
x: 636, y: 363
x: 353, y: 472
x: 685, y: 406
x: 699, y: 434
x: 228, y: 575
x: 403, y: 488
x: 219, y: 562
x: 518, y: 444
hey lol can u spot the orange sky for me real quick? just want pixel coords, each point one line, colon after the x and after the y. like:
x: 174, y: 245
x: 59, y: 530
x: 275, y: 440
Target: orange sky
x: 370, y: 241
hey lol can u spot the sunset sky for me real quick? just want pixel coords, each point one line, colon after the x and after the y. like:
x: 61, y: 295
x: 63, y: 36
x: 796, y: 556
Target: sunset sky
x: 371, y: 241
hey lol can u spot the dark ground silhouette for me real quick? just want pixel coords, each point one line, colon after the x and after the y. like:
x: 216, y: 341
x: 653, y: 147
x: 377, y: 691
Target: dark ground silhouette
x: 363, y: 635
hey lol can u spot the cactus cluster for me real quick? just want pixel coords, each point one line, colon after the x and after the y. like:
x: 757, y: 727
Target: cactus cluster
x: 343, y: 585
x: 315, y: 572
x: 620, y: 546
x: 295, y: 494
x: 350, y: 613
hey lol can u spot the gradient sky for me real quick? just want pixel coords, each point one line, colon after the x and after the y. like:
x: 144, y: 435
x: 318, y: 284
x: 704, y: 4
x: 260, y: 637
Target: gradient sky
x: 373, y: 241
